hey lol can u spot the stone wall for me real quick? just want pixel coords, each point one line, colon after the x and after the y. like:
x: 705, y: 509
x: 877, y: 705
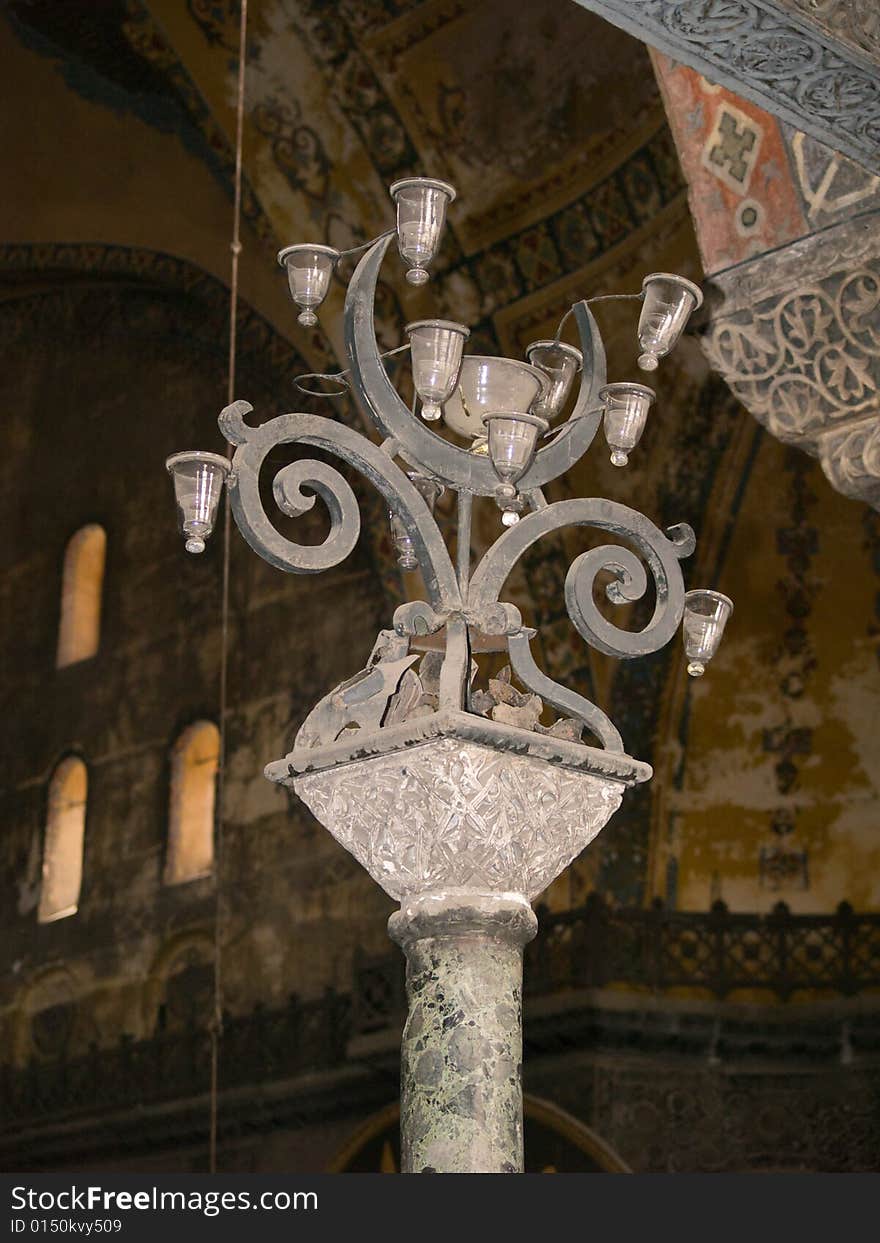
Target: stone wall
x: 103, y: 379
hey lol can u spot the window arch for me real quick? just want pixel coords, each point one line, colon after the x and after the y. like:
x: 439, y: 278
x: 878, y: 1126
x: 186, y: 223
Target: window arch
x: 63, y: 845
x: 191, y: 815
x: 79, y: 630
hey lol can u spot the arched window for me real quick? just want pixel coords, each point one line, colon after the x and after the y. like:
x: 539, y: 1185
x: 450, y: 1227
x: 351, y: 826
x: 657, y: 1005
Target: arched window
x: 80, y: 629
x: 63, y: 847
x: 191, y: 818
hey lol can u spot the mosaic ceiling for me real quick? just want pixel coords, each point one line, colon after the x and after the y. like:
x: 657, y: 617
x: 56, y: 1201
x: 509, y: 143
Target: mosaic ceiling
x: 557, y: 155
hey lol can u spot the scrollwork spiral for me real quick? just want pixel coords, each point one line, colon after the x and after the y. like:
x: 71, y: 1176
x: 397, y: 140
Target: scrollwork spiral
x: 294, y: 483
x: 629, y: 584
x: 660, y: 553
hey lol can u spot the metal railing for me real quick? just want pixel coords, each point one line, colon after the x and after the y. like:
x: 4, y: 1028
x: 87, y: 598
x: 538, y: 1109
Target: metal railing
x: 596, y: 945
x: 715, y: 953
x: 261, y: 1046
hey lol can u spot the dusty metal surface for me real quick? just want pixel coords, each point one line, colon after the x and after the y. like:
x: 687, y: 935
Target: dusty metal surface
x: 403, y: 499
x: 424, y: 449
x: 556, y: 751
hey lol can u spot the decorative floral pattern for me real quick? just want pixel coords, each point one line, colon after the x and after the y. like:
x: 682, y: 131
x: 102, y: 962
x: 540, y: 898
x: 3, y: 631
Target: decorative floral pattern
x: 296, y: 147
x: 851, y: 459
x: 853, y: 21
x: 356, y: 88
x: 807, y: 356
x: 796, y: 339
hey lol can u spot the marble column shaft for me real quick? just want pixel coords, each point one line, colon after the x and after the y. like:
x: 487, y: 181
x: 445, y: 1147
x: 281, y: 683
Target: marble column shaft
x: 461, y: 1056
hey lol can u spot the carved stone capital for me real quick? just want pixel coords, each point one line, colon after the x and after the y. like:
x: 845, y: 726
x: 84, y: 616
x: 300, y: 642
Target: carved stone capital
x: 850, y: 457
x: 796, y: 334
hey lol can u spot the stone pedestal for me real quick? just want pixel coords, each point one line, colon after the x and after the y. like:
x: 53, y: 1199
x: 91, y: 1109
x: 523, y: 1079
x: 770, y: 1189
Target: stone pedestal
x: 461, y: 1055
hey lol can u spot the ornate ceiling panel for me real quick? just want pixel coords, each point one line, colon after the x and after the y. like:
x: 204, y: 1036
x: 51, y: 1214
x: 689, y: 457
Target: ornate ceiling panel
x: 812, y: 63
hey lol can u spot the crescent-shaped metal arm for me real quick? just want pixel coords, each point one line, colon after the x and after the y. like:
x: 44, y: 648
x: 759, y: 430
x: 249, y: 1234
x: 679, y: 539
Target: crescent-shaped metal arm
x: 425, y: 450
x: 403, y: 499
x: 660, y: 552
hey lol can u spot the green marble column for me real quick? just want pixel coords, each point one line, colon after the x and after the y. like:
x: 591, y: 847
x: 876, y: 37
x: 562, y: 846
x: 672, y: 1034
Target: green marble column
x: 461, y: 1056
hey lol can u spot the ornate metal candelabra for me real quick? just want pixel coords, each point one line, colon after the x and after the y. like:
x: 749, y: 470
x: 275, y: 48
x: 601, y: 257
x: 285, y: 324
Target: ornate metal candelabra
x: 453, y: 795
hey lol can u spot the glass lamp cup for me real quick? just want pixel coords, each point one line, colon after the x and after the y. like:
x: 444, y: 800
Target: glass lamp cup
x: 421, y: 213
x: 668, y: 303
x: 626, y: 410
x: 431, y: 490
x: 490, y: 385
x: 560, y: 363
x: 435, y: 349
x: 513, y: 439
x: 309, y: 269
x: 705, y: 616
x: 198, y: 479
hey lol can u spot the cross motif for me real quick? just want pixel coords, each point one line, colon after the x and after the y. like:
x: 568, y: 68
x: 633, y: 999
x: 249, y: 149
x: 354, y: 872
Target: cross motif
x: 732, y: 148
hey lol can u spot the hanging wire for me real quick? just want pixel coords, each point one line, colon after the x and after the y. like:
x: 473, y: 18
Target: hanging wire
x: 356, y: 250
x: 603, y: 297
x: 216, y: 1029
x: 332, y: 377
x: 337, y: 377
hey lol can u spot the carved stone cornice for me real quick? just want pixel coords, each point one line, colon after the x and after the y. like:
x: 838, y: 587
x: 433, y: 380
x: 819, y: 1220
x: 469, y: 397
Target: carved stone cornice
x: 796, y: 335
x: 813, y: 65
x: 844, y: 247
x: 853, y: 22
